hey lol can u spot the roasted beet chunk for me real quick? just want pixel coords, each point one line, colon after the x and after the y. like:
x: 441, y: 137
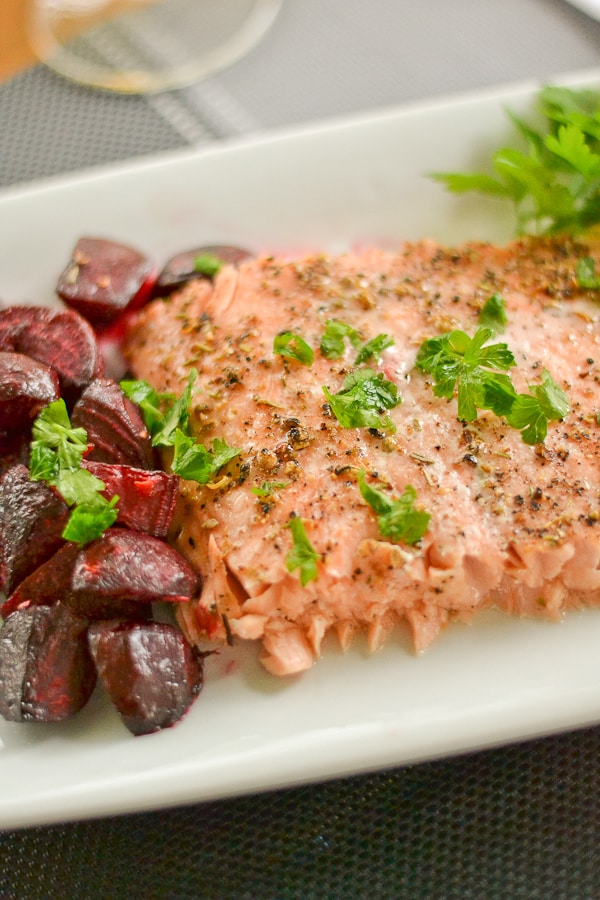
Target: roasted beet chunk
x: 149, y: 671
x: 52, y: 582
x: 14, y: 448
x: 59, y: 338
x: 130, y: 565
x: 186, y: 266
x: 114, y: 426
x: 46, y: 671
x: 103, y: 279
x: 46, y: 584
x: 146, y: 498
x: 32, y: 519
x: 26, y: 386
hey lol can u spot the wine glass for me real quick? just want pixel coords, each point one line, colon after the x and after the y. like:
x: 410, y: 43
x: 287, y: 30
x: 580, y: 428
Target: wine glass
x: 145, y: 46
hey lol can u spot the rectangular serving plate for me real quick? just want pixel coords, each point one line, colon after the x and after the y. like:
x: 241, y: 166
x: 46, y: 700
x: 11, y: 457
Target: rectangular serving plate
x: 329, y: 186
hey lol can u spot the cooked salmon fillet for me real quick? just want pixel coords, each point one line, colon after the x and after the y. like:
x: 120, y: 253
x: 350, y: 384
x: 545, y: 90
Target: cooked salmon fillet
x: 512, y: 526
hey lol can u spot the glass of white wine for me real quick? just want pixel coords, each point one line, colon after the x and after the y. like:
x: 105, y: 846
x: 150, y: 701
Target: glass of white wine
x: 145, y: 46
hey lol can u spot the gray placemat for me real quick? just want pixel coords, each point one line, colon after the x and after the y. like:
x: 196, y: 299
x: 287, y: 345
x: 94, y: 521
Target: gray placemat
x: 519, y: 822
x: 322, y: 58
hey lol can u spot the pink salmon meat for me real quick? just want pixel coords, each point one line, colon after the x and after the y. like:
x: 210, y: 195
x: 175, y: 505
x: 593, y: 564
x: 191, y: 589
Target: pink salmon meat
x: 512, y: 526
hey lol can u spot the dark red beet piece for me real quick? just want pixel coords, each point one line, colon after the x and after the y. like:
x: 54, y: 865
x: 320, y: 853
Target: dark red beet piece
x: 46, y: 670
x: 46, y: 584
x: 146, y: 498
x: 14, y: 448
x: 32, y: 519
x: 135, y: 566
x: 104, y: 278
x: 26, y: 386
x: 114, y: 426
x: 181, y: 268
x: 52, y: 583
x: 149, y: 671
x: 59, y: 338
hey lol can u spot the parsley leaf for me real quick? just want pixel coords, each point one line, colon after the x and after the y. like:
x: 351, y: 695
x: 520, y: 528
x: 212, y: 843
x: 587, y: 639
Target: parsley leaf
x: 163, y: 413
x: 364, y: 396
x: 150, y: 402
x: 195, y: 462
x: 90, y: 519
x: 374, y: 348
x: 493, y: 313
x: 587, y: 276
x: 332, y: 344
x: 57, y: 450
x: 553, y: 182
x: 397, y: 519
x: 176, y: 417
x: 167, y: 418
x: 208, y: 264
x: 303, y: 555
x: 293, y: 346
x: 530, y: 413
x: 55, y: 443
x: 269, y: 487
x: 463, y: 364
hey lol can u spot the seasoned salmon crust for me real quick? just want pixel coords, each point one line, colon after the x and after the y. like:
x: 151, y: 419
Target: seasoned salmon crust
x: 512, y: 525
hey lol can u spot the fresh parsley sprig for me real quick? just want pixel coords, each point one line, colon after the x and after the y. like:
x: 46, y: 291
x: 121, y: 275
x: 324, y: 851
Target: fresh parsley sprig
x: 553, y: 181
x: 586, y: 274
x: 493, y: 313
x: 476, y: 372
x: 194, y: 462
x: 293, y: 345
x: 163, y: 413
x: 333, y: 344
x: 167, y: 418
x: 374, y: 348
x: 57, y: 451
x: 530, y: 413
x: 208, y: 264
x: 303, y: 555
x: 397, y: 519
x: 267, y: 488
x: 365, y: 395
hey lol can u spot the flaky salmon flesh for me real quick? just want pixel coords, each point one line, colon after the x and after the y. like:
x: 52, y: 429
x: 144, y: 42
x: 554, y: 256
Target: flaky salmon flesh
x: 512, y: 526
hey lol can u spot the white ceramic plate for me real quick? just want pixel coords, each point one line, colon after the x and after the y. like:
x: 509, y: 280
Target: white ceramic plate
x: 590, y: 7
x: 495, y: 681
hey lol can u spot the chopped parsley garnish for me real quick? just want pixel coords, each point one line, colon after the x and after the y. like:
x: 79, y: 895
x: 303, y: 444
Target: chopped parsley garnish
x: 463, y: 364
x: 57, y: 450
x: 364, y: 396
x: 208, y: 264
x: 163, y: 413
x: 493, y: 313
x: 374, y: 348
x: 152, y: 404
x: 294, y: 347
x: 269, y: 487
x: 398, y: 519
x: 553, y: 182
x: 332, y: 344
x: 587, y: 277
x: 167, y: 419
x: 531, y: 413
x: 194, y: 462
x: 303, y: 555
